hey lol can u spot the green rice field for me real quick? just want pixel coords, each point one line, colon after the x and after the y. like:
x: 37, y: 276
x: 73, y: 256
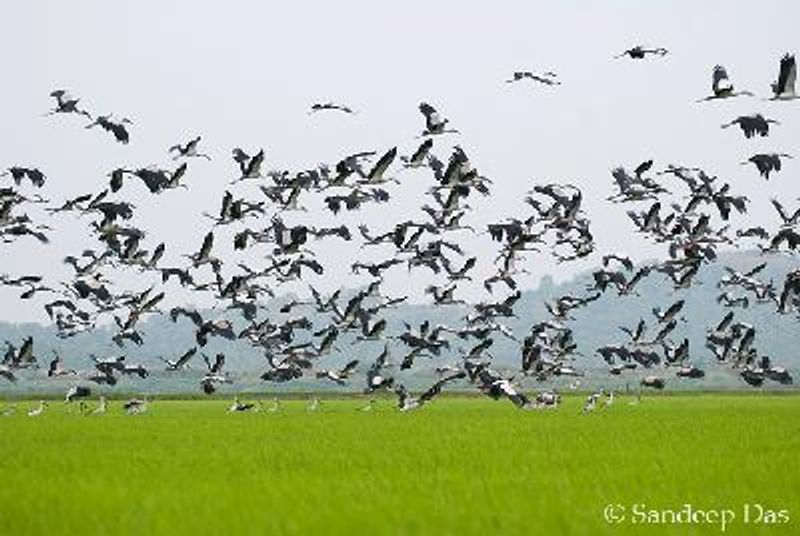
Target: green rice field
x: 457, y: 466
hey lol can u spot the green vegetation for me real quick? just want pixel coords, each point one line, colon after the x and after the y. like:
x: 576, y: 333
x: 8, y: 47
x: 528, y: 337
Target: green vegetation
x: 458, y: 466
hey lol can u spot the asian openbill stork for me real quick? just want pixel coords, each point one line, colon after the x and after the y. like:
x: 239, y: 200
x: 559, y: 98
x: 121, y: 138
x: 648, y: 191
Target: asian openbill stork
x: 721, y: 87
x: 783, y: 88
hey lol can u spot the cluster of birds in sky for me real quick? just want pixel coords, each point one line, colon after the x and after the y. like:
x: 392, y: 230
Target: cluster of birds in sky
x: 553, y: 222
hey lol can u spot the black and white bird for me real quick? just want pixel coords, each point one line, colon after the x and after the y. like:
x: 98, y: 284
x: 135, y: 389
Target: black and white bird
x: 376, y: 380
x: 338, y: 376
x: 721, y: 87
x: 18, y: 173
x: 204, y: 255
x: 434, y: 122
x: 182, y: 362
x: 590, y: 404
x: 420, y: 157
x: 188, y: 150
x: 670, y: 313
x: 376, y: 174
x: 7, y: 373
x: 788, y: 219
x: 406, y: 402
x: 323, y: 106
x: 115, y: 127
x: 56, y: 367
x: 766, y: 163
x: 783, y: 88
x: 547, y: 400
x: 135, y: 406
x: 654, y: 382
x: 548, y: 78
x: 76, y: 392
x: 250, y: 166
x: 215, y: 375
x: 66, y: 104
x: 639, y: 52
x: 752, y: 125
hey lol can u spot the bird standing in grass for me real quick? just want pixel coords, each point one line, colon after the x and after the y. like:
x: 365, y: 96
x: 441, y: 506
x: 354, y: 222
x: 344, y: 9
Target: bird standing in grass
x: 38, y: 410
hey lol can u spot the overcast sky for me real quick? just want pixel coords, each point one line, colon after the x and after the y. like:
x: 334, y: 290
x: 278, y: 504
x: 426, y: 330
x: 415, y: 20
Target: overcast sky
x: 244, y: 73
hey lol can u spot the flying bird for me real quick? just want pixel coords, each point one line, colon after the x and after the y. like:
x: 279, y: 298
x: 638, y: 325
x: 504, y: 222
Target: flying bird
x: 188, y: 150
x: 721, y: 87
x: 434, y: 123
x: 66, y: 104
x: 117, y: 128
x: 752, y: 125
x: 766, y: 163
x: 783, y: 88
x: 548, y: 78
x: 639, y: 52
x: 322, y: 106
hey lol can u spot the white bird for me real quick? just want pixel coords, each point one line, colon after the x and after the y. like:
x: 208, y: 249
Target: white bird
x: 38, y: 410
x: 101, y: 408
x: 275, y: 407
x: 7, y: 373
x: 315, y: 404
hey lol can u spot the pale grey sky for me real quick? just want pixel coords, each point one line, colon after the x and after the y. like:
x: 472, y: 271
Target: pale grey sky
x: 243, y: 73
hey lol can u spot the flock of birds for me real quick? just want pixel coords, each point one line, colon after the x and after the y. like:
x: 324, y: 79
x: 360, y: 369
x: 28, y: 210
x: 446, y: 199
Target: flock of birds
x: 295, y: 347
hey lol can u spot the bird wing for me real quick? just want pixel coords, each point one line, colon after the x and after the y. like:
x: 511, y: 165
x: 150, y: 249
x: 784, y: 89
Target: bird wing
x: 426, y: 109
x: 348, y: 368
x: 25, y: 354
x: 779, y: 208
x: 186, y: 357
x: 219, y: 362
x: 422, y: 150
x: 208, y: 243
x: 725, y: 322
x: 383, y: 164
x: 436, y: 388
x: 644, y: 166
x: 755, y: 270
